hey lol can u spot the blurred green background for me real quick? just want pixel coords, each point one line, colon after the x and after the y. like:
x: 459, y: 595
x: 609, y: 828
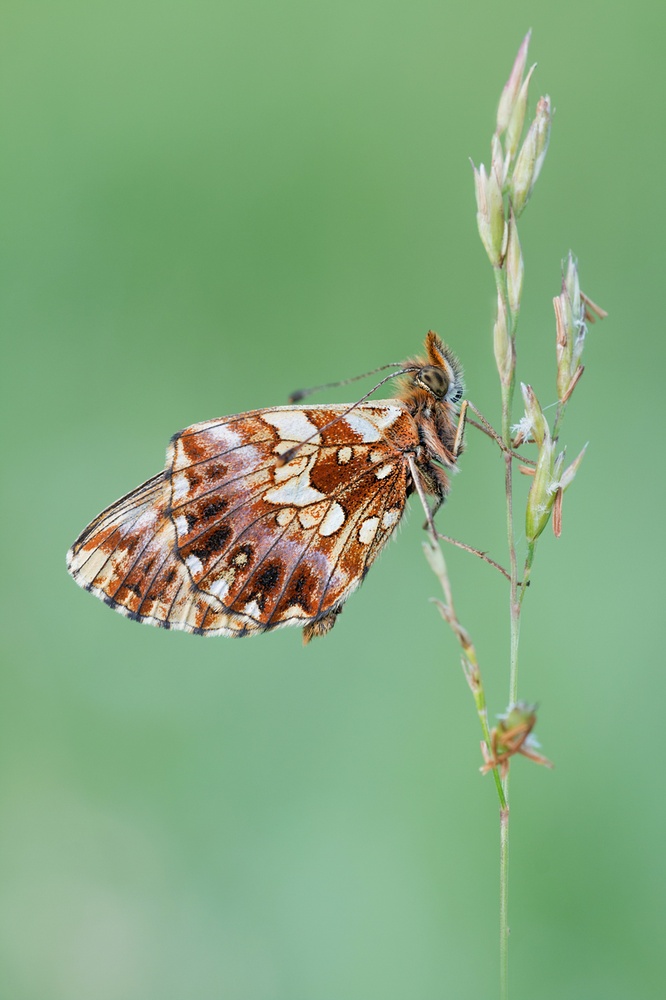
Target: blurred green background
x: 205, y: 206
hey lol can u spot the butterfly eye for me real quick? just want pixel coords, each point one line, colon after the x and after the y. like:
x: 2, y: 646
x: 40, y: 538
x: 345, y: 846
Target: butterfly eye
x: 435, y: 380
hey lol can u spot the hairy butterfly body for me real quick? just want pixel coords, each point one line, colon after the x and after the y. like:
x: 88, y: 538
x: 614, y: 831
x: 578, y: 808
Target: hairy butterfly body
x: 273, y: 517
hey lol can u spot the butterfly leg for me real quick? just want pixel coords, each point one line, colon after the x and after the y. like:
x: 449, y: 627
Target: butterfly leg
x: 487, y: 428
x: 458, y: 440
x: 475, y: 552
x: 430, y: 524
x: 416, y: 479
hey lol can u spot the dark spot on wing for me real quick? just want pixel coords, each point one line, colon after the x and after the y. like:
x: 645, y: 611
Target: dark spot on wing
x: 214, y: 508
x: 265, y: 583
x: 269, y: 578
x: 215, y: 470
x: 301, y: 591
x: 208, y: 545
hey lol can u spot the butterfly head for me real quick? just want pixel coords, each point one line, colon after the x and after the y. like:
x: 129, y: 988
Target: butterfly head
x: 440, y: 383
x: 442, y: 377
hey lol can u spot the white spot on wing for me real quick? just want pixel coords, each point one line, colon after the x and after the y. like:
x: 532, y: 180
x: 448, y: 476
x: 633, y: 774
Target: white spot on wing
x: 334, y: 520
x: 181, y: 487
x: 367, y: 530
x: 291, y: 425
x: 296, y: 491
x: 312, y: 514
x: 363, y: 427
x: 285, y: 516
x: 181, y: 525
x: 219, y: 587
x: 309, y: 516
x: 384, y: 471
x: 370, y: 422
x: 194, y: 565
x: 391, y: 517
x: 223, y: 434
x: 344, y: 454
x: 295, y: 611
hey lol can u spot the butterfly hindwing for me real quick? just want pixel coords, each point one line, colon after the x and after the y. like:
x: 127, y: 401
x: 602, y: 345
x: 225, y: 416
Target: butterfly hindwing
x: 230, y: 539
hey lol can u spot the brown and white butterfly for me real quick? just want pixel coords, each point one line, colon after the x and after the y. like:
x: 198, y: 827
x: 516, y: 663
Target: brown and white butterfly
x: 273, y: 517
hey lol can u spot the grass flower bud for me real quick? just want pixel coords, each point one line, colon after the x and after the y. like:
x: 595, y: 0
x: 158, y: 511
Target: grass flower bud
x: 531, y: 157
x: 517, y: 120
x: 573, y: 311
x: 541, y: 496
x: 519, y: 714
x: 513, y: 735
x: 534, y: 418
x: 570, y: 331
x: 569, y: 474
x: 490, y: 212
x: 503, y: 346
x: 499, y: 164
x: 571, y: 284
x: 562, y: 483
x: 512, y: 87
x: 542, y: 123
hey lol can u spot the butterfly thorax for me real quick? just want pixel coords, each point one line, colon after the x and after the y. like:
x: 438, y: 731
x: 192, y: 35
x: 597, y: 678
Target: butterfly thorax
x: 431, y: 395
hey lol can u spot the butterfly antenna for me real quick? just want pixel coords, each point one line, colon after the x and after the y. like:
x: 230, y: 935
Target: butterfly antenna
x: 295, y: 397
x: 288, y: 455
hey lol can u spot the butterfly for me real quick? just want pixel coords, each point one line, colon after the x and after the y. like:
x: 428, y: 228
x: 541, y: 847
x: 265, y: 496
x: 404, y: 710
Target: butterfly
x: 273, y: 517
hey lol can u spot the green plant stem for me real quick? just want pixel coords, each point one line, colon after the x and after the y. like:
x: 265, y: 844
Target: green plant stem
x: 527, y: 569
x: 507, y: 403
x: 514, y: 601
x: 504, y: 903
x: 508, y: 381
x: 517, y: 595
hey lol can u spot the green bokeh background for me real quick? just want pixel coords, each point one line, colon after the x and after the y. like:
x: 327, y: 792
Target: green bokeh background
x: 205, y: 206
